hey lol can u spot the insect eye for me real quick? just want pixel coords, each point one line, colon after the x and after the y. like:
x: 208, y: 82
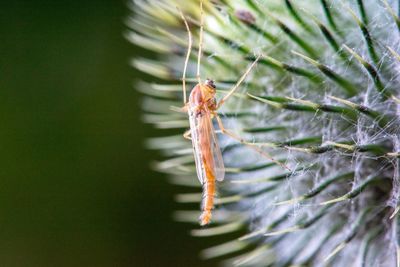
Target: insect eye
x: 210, y: 83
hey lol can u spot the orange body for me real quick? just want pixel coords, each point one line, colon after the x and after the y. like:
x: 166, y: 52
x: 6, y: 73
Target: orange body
x: 208, y: 158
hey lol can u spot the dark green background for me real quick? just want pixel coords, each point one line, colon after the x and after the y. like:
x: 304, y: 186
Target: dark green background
x: 75, y: 184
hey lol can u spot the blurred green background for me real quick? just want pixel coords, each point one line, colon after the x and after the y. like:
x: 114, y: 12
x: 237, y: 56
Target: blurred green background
x: 75, y: 184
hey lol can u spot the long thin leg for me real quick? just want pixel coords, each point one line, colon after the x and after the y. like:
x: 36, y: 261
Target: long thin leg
x: 234, y: 88
x: 200, y: 41
x: 189, y: 51
x: 250, y: 145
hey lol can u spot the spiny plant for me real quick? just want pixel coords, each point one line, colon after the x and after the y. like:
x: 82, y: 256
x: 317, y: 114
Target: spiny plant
x: 323, y: 99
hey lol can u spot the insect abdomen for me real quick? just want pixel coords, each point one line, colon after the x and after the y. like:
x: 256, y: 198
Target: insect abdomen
x: 208, y: 196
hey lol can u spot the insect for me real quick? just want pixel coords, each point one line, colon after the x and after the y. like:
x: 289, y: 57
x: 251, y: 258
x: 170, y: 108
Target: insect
x: 202, y: 108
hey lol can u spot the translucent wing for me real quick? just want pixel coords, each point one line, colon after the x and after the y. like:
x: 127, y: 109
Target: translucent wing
x: 206, y: 151
x: 194, y: 124
x: 218, y: 160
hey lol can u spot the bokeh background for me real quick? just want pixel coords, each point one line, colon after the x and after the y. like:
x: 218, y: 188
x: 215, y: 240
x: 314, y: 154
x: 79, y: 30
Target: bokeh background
x: 76, y: 188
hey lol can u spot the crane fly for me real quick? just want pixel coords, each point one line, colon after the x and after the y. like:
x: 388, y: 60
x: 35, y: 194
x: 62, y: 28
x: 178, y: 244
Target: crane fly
x: 202, y: 108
